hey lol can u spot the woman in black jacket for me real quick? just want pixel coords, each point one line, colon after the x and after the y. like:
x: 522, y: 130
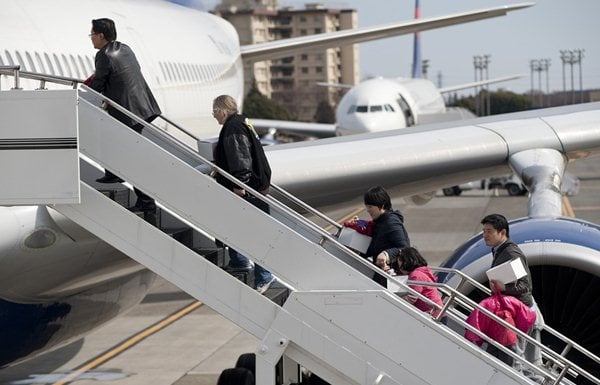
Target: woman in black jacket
x: 388, y: 235
x: 240, y: 153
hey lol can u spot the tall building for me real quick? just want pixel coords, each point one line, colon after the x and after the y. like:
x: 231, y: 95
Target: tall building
x: 292, y: 81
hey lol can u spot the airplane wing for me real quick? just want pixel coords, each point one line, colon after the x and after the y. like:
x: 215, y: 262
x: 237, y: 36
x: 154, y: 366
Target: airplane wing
x: 281, y: 48
x: 426, y: 158
x: 479, y: 83
x: 316, y: 130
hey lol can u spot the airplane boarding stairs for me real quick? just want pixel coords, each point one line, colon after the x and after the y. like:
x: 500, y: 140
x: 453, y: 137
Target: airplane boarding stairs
x: 333, y: 320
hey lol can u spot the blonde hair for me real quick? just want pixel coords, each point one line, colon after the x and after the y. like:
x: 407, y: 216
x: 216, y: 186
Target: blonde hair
x: 226, y: 104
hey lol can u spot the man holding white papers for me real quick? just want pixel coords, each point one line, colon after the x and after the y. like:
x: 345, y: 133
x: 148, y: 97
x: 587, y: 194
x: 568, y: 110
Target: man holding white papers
x: 496, y: 235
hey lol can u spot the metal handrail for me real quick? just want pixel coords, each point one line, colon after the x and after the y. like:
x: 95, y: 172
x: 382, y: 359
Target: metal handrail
x: 455, y: 296
x: 324, y: 235
x: 16, y: 72
x: 554, y: 359
x: 568, y: 342
x: 74, y: 82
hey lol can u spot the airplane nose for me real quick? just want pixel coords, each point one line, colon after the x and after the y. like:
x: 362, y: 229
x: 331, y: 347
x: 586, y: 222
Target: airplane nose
x: 359, y: 123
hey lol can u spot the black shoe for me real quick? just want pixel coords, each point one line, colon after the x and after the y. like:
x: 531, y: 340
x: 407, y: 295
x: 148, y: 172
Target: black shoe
x: 109, y: 179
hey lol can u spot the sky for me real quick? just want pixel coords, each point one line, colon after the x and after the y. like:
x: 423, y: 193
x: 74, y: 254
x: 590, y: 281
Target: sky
x: 538, y: 32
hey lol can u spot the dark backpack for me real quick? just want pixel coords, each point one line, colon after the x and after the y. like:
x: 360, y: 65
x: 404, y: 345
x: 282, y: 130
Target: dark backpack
x: 261, y: 171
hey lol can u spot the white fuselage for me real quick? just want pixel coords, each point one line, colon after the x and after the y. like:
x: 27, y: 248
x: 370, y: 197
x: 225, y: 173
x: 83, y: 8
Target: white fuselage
x: 382, y: 104
x: 188, y: 57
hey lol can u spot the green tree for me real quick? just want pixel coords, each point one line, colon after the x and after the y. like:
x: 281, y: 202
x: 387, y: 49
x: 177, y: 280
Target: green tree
x: 501, y: 102
x: 258, y: 106
x: 324, y: 113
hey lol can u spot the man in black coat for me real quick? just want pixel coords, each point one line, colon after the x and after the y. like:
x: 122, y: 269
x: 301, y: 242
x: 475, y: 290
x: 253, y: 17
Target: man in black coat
x: 119, y: 78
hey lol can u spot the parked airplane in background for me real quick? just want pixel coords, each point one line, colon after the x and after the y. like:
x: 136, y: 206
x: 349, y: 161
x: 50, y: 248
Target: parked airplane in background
x: 58, y: 289
x: 382, y: 104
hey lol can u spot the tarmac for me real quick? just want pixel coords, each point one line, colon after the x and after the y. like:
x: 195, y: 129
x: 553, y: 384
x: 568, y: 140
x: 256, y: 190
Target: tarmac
x: 172, y: 339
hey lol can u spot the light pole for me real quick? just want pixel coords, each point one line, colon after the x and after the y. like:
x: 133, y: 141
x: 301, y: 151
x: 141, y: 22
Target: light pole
x: 573, y: 57
x: 565, y: 57
x: 579, y: 53
x: 481, y: 63
x: 476, y: 65
x: 486, y: 62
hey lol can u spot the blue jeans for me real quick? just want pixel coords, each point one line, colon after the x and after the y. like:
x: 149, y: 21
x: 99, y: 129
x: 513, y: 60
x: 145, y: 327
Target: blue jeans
x: 261, y: 276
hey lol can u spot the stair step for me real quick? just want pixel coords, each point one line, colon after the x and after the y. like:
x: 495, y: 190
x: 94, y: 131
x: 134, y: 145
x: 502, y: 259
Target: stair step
x: 121, y: 196
x: 182, y: 234
x: 216, y: 254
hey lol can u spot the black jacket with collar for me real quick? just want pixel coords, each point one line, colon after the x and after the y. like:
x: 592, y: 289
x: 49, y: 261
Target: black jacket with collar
x: 118, y: 77
x: 240, y: 153
x: 388, y: 235
x: 521, y: 288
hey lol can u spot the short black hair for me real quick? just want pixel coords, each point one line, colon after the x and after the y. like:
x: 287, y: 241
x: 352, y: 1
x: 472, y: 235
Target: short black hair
x: 497, y: 221
x: 409, y: 259
x: 378, y: 197
x: 106, y: 27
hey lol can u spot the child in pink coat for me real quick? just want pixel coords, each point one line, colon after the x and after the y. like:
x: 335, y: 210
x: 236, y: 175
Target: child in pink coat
x: 410, y: 262
x: 507, y: 308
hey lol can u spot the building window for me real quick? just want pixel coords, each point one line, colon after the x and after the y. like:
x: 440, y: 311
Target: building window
x: 304, y: 57
x: 319, y: 70
x: 318, y: 30
x: 302, y: 32
x: 304, y: 70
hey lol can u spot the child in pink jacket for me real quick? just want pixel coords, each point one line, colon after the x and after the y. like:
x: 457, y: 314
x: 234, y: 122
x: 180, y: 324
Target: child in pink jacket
x: 410, y: 262
x: 507, y: 308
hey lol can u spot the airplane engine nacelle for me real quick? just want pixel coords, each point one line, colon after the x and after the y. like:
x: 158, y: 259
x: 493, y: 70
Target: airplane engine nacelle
x: 564, y: 258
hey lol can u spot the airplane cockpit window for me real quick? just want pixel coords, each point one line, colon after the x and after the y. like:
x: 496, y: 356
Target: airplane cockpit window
x: 362, y: 109
x: 352, y: 109
x: 30, y: 62
x: 1, y: 61
x: 377, y: 108
x: 389, y: 108
x: 405, y: 108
